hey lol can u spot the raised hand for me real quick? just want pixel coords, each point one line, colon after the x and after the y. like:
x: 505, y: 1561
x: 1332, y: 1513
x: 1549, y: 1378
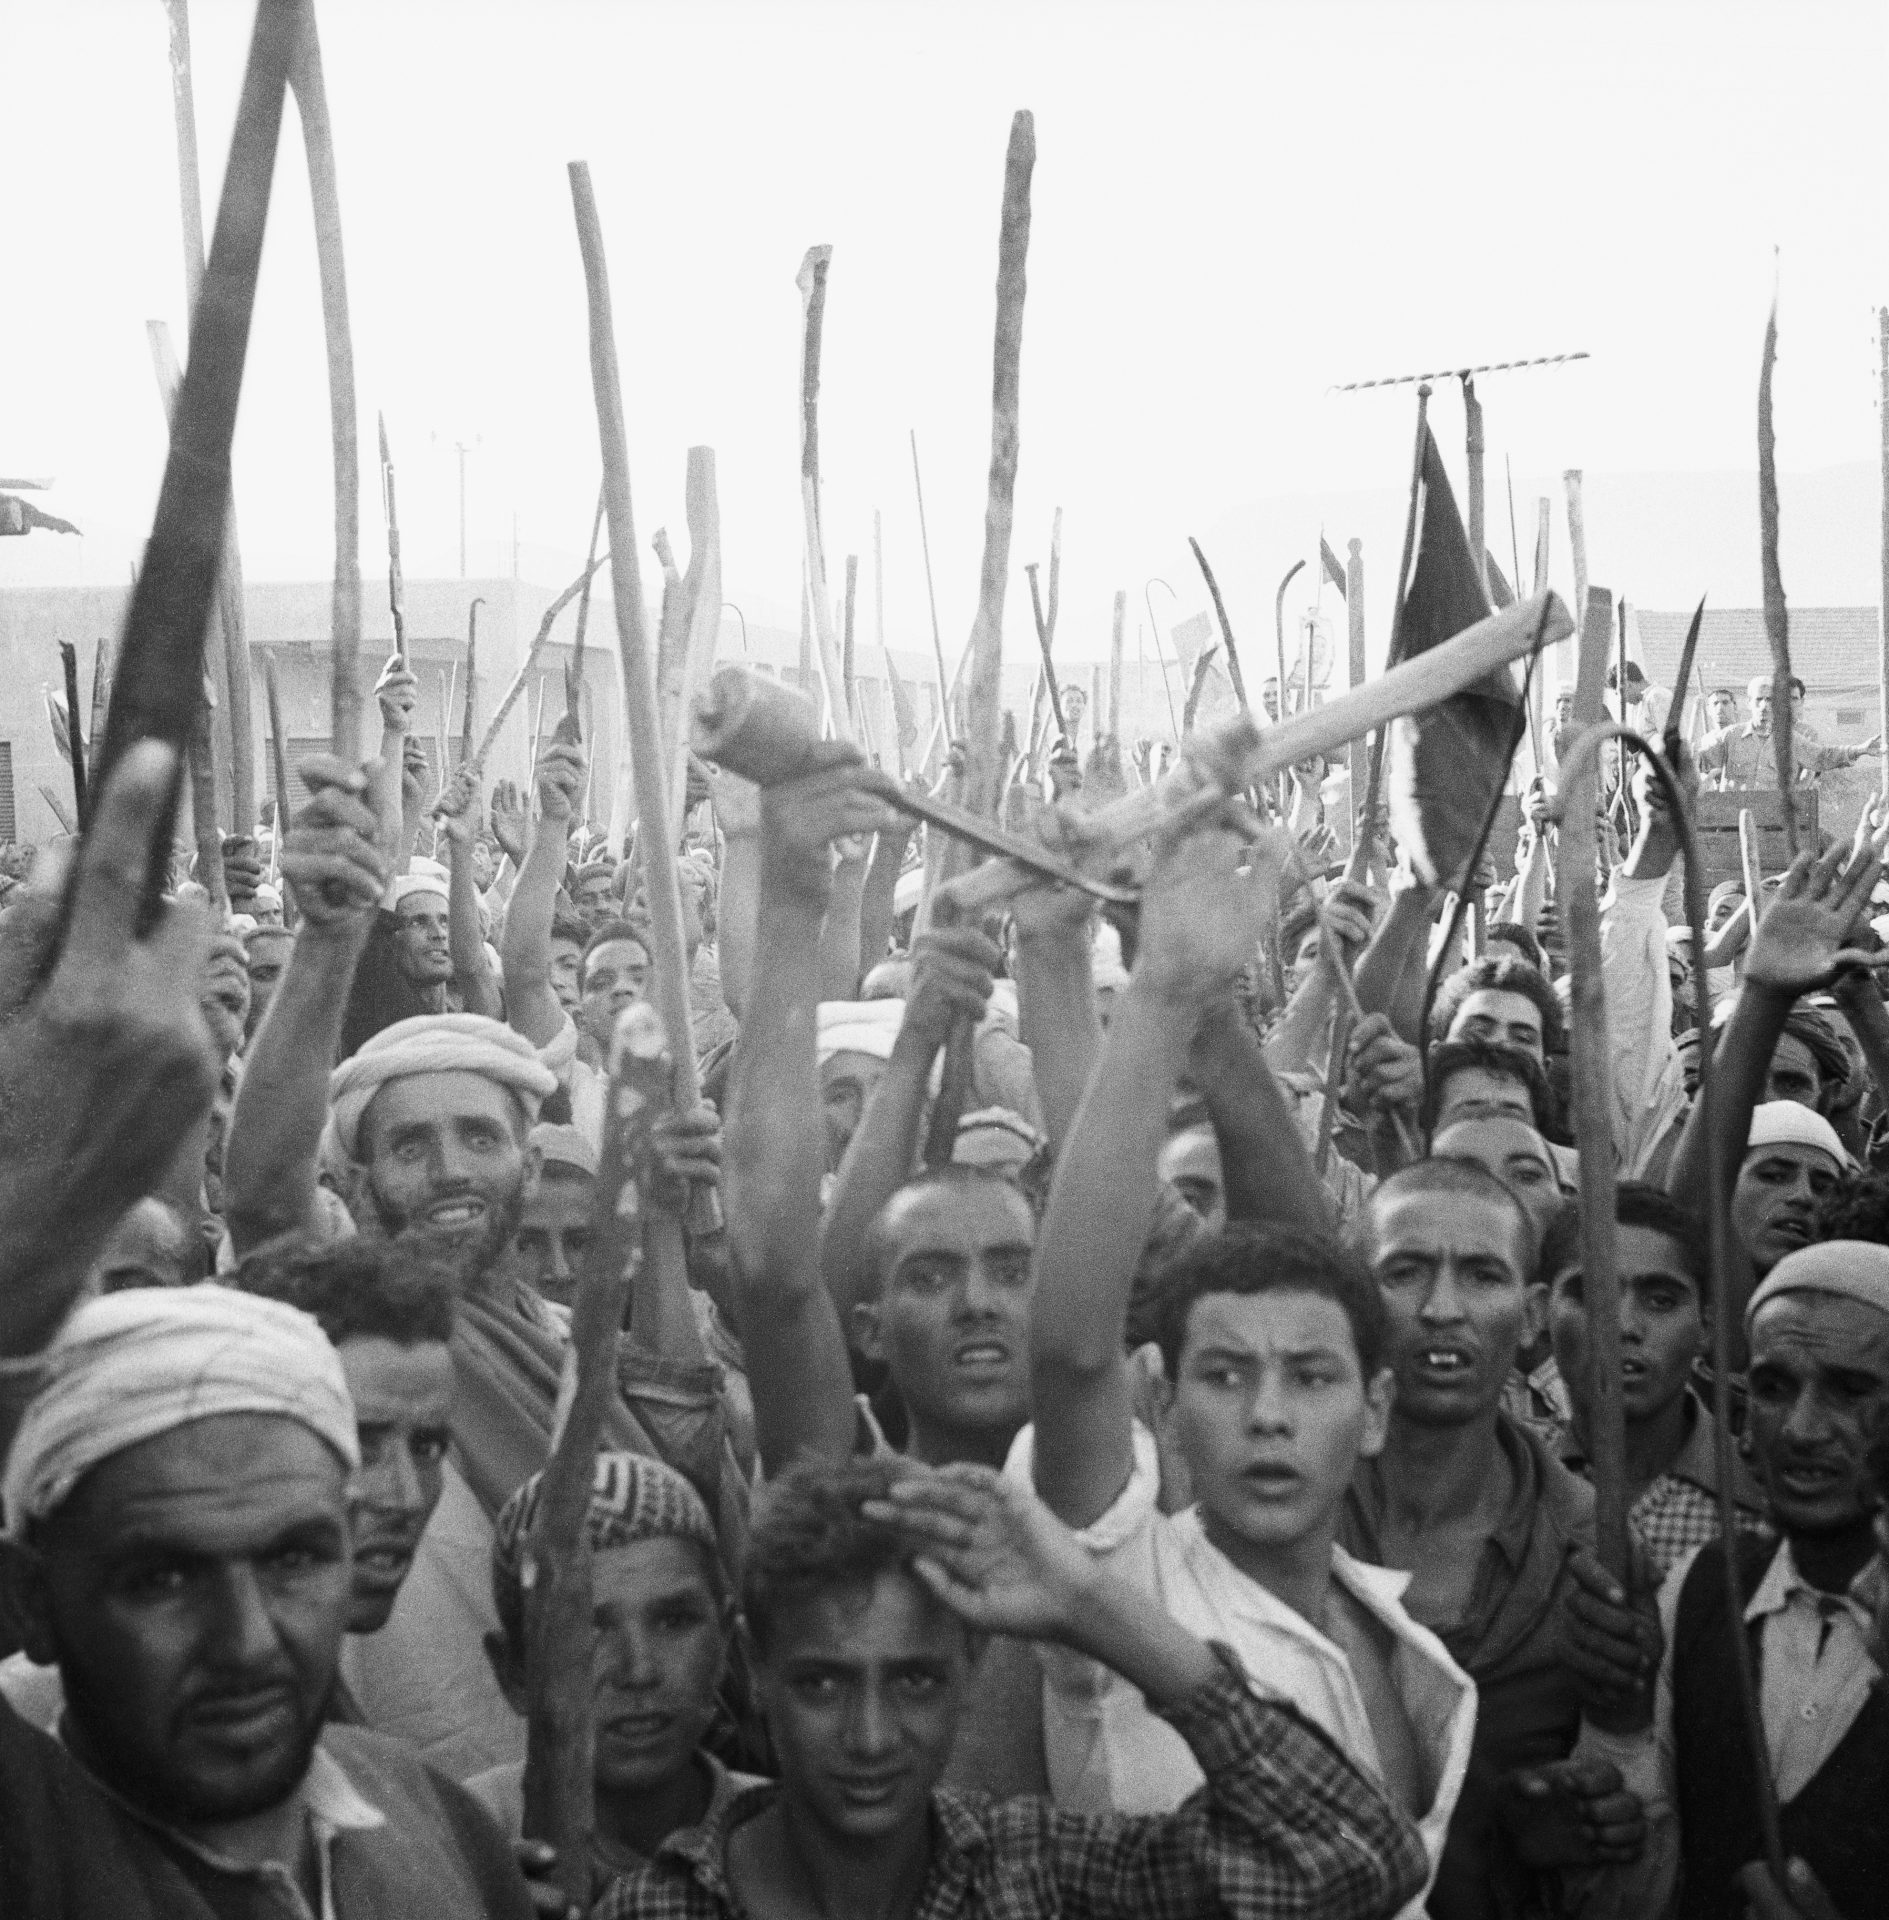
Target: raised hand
x: 1800, y: 1898
x: 1351, y: 912
x: 416, y: 776
x: 953, y: 970
x: 1203, y: 915
x: 991, y: 1551
x: 105, y: 1060
x: 398, y: 692
x: 800, y: 820
x: 1801, y: 940
x: 508, y: 817
x: 458, y: 808
x: 560, y: 779
x: 330, y: 856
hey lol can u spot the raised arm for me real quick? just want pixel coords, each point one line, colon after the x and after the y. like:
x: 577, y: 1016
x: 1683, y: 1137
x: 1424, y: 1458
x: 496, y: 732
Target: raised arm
x: 1056, y: 1014
x: 1800, y: 946
x: 839, y: 930
x: 954, y: 966
x: 877, y: 906
x: 465, y: 932
x: 337, y: 872
x: 1200, y: 923
x: 738, y: 814
x: 1389, y: 973
x: 531, y: 1006
x: 104, y: 1055
x: 798, y: 1368
x: 1263, y: 1161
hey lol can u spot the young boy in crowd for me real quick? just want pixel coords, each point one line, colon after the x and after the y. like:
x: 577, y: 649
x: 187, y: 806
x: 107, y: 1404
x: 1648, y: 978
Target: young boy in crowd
x: 867, y: 1593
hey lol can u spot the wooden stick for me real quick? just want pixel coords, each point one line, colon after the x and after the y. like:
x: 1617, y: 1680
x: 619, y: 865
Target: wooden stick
x: 158, y: 690
x: 1354, y: 642
x: 811, y: 280
x: 1045, y: 640
x: 101, y: 690
x: 668, y: 956
x: 931, y: 597
x: 1220, y: 761
x: 574, y: 672
x: 1115, y: 663
x: 467, y: 730
x: 902, y: 722
x: 555, y: 1568
x: 279, y: 760
x: 1777, y: 619
x: 702, y: 585
x: 75, y: 739
x: 983, y: 730
x: 230, y: 651
x: 1882, y: 611
x: 1278, y: 634
x: 311, y: 100
x: 1226, y: 631
x: 1751, y: 865
x: 396, y: 579
x: 849, y: 666
x: 1577, y: 536
x: 1592, y: 1072
x: 60, y: 811
x: 1478, y: 508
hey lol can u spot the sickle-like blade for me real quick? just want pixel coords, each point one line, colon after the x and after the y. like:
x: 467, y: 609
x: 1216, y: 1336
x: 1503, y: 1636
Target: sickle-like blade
x: 1674, y: 729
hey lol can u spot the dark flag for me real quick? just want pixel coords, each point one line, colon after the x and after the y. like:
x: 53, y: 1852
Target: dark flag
x: 1334, y: 567
x: 1499, y: 589
x: 1448, y: 763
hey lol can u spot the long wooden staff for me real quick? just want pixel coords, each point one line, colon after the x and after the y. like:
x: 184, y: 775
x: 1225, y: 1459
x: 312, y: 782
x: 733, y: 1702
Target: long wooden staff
x: 1115, y: 643
x: 75, y: 740
x: 983, y: 736
x: 931, y: 596
x: 1777, y: 619
x: 811, y: 280
x: 396, y: 580
x: 466, y: 728
x: 1593, y: 1080
x: 904, y: 729
x: 231, y: 652
x: 701, y: 597
x: 1045, y: 639
x: 158, y: 688
x: 311, y: 101
x: 668, y: 950
x: 560, y: 1797
x: 574, y: 672
x: 1226, y: 631
x: 279, y: 759
x: 849, y: 665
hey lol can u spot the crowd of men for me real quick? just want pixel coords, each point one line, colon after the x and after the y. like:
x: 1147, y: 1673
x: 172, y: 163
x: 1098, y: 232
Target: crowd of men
x: 1167, y: 1493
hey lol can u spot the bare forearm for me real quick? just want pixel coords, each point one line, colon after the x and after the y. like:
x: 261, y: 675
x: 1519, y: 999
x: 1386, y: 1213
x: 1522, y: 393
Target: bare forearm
x: 839, y: 932
x: 530, y: 1004
x: 275, y: 1130
x: 1134, y: 1635
x: 1300, y: 1036
x: 661, y: 1313
x: 735, y: 926
x: 799, y: 1373
x: 1742, y: 1062
x: 1263, y: 1161
x: 466, y: 936
x: 877, y: 905
x: 1862, y: 1006
x: 1057, y: 1019
x: 878, y: 1162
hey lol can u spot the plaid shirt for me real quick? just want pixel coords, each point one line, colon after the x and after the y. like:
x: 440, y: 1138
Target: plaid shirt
x: 1284, y: 1828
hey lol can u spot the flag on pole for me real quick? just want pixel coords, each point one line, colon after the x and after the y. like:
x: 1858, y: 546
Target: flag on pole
x: 1448, y: 763
x: 1334, y: 567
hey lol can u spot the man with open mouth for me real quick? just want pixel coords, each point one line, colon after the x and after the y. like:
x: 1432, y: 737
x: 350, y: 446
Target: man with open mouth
x: 1818, y: 1333
x: 1482, y: 1515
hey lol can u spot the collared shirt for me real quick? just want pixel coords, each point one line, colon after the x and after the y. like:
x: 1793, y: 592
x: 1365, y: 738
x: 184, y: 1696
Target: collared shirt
x: 1815, y: 1672
x: 1678, y: 1512
x: 1109, y: 1753
x: 1741, y: 756
x: 1285, y: 1830
x: 330, y: 1805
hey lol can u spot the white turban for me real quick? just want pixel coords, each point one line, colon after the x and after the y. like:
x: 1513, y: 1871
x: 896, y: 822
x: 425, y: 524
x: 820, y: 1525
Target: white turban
x: 130, y: 1366
x: 1779, y: 1123
x: 422, y: 876
x: 435, y: 1043
x: 857, y: 1026
x: 1853, y: 1269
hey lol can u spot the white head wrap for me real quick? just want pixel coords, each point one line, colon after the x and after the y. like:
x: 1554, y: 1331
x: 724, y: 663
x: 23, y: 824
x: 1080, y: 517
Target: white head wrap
x: 435, y: 1043
x: 1779, y: 1123
x: 130, y: 1366
x: 1854, y: 1269
x: 857, y: 1026
x: 422, y: 876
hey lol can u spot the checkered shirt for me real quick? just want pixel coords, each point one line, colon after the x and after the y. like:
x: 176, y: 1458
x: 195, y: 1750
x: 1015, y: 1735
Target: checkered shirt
x: 1676, y: 1515
x: 1285, y: 1829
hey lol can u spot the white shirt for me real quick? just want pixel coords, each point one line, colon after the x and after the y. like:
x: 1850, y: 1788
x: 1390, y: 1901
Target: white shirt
x: 1108, y: 1753
x: 1812, y: 1684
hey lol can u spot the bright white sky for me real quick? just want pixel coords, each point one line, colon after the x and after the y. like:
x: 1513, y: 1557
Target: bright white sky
x: 1235, y: 206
